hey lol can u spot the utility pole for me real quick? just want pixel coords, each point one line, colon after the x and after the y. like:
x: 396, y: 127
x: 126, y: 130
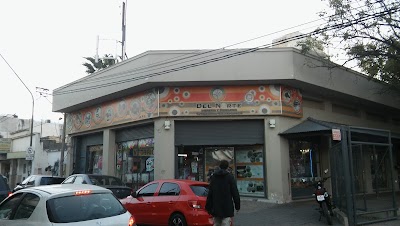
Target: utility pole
x: 63, y: 147
x: 124, y: 6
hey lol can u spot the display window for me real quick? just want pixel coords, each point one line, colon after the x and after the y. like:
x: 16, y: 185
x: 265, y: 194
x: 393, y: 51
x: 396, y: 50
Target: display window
x: 250, y: 170
x: 191, y: 163
x: 246, y: 163
x: 303, y: 167
x: 95, y: 159
x: 214, y: 155
x: 135, y: 162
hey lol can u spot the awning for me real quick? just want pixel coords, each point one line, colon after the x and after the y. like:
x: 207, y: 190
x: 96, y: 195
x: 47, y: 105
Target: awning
x: 311, y: 125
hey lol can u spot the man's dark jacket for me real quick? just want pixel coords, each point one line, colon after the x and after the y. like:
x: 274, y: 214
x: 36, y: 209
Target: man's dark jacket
x: 222, y: 191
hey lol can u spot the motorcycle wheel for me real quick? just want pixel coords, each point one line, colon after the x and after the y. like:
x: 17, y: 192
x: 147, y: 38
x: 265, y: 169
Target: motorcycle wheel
x: 326, y: 213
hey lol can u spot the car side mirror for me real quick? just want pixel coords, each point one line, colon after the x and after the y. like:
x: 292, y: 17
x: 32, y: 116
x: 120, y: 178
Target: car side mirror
x: 18, y: 184
x: 134, y: 194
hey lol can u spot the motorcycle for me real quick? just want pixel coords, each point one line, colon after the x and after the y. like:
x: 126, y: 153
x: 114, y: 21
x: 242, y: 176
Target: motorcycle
x: 324, y: 200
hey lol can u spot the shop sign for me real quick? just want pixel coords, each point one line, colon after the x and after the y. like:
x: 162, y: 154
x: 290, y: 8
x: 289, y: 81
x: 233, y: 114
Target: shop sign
x: 143, y: 152
x: 5, y: 144
x: 230, y: 100
x: 336, y: 135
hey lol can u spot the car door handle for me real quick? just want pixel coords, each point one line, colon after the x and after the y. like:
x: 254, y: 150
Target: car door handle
x: 171, y: 202
x: 148, y: 203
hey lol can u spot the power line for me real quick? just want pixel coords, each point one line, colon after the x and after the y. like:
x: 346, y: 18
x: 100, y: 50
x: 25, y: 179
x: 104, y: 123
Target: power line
x: 238, y: 53
x: 318, y: 31
x: 182, y: 57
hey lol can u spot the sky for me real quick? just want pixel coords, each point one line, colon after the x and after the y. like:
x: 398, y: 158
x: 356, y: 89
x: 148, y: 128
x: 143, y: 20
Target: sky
x: 45, y: 41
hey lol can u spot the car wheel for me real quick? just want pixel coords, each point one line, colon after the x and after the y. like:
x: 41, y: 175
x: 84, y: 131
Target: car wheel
x: 177, y: 219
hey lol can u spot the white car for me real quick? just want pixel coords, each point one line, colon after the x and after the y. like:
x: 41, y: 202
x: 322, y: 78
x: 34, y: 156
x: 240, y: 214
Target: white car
x: 64, y: 204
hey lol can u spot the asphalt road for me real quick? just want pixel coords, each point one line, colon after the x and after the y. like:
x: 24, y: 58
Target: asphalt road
x: 259, y: 213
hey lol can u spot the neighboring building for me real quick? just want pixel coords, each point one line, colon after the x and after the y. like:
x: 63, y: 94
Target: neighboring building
x: 267, y: 112
x: 14, y: 162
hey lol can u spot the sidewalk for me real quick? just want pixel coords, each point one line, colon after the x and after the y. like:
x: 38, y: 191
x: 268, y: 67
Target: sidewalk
x: 259, y: 213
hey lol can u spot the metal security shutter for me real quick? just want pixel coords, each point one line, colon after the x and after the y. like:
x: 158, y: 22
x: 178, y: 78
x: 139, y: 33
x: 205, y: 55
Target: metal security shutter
x: 82, y: 142
x: 219, y: 132
x: 134, y: 133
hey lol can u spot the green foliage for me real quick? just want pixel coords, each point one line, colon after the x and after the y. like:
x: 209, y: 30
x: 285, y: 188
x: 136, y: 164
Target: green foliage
x: 93, y: 66
x: 368, y: 32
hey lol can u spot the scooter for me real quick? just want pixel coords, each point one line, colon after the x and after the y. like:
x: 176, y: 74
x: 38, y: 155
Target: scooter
x: 324, y: 200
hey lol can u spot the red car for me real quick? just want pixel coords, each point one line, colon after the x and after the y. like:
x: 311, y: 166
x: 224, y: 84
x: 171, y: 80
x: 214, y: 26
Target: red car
x: 170, y: 202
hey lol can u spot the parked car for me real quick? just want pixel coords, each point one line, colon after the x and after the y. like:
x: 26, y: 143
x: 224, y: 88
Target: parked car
x: 38, y: 180
x: 4, y: 188
x: 114, y: 184
x: 170, y: 202
x: 64, y: 204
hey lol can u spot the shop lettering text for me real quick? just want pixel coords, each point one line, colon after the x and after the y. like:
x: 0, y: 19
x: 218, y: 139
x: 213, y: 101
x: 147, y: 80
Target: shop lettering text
x: 145, y: 152
x: 218, y: 105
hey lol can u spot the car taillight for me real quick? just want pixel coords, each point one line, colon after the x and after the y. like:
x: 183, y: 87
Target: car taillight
x: 9, y: 193
x: 194, y: 204
x: 131, y: 221
x: 83, y: 192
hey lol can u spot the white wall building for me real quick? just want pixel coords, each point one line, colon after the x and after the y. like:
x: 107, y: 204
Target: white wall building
x: 46, y: 138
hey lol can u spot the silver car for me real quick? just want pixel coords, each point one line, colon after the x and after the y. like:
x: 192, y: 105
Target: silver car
x: 64, y: 204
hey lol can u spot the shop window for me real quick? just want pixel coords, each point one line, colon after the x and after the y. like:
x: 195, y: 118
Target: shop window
x: 246, y: 163
x: 135, y: 162
x: 250, y: 170
x: 303, y: 167
x: 191, y: 163
x: 95, y: 158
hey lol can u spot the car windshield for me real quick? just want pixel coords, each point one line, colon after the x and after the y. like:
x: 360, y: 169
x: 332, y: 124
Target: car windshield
x: 51, y: 180
x: 200, y: 190
x: 83, y: 207
x: 105, y: 180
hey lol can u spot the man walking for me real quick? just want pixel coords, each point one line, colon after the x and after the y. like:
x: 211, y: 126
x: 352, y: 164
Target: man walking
x: 223, y: 196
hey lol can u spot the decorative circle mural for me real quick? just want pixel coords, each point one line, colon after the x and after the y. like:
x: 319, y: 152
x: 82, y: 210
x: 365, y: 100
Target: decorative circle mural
x: 135, y: 109
x: 88, y: 119
x: 78, y: 121
x: 109, y: 114
x: 122, y: 109
x: 264, y: 109
x: 174, y: 111
x: 98, y: 115
x: 217, y: 94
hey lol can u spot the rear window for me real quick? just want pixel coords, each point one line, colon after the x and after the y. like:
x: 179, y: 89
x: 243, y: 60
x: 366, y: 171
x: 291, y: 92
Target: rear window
x: 200, y: 190
x: 83, y: 207
x: 51, y: 180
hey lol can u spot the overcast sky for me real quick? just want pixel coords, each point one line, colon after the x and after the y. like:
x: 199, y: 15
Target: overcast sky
x: 45, y: 40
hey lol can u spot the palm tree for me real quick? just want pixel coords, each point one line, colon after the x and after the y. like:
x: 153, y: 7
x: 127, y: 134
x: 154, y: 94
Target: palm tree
x: 93, y: 66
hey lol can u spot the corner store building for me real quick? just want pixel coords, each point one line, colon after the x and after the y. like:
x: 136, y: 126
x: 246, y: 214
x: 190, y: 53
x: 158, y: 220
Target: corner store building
x: 146, y: 119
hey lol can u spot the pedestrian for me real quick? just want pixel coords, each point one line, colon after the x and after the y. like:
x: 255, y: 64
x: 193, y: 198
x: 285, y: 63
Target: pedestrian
x: 211, y: 172
x: 223, y: 196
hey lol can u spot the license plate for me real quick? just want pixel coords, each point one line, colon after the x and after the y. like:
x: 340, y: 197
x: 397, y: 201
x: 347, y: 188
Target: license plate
x: 320, y: 198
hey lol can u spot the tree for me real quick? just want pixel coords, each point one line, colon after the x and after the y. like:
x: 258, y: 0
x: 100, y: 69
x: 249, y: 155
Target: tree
x: 367, y: 32
x: 93, y: 66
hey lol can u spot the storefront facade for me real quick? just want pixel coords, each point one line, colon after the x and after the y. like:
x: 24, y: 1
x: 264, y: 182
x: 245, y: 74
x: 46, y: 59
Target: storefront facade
x: 208, y: 124
x: 170, y: 127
